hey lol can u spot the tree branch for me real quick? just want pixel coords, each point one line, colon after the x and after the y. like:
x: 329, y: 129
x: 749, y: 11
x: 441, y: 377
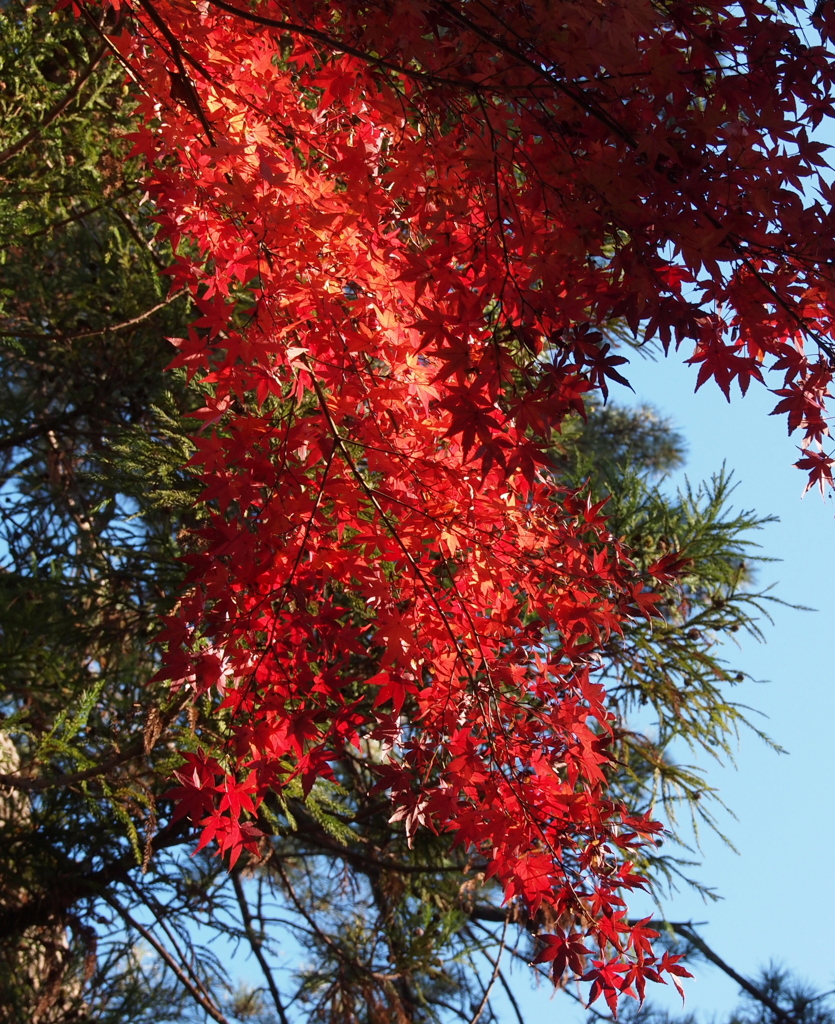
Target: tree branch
x: 70, y: 887
x: 111, y: 329
x: 476, y: 1017
x: 177, y: 54
x: 181, y: 976
x: 372, y: 497
x: 34, y: 785
x: 685, y: 930
x: 29, y: 785
x: 342, y: 47
x: 257, y: 944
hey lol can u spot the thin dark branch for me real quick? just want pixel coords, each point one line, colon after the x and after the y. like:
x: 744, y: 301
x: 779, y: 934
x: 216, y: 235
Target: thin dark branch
x: 133, y: 321
x: 135, y: 749
x: 540, y: 69
x: 340, y: 46
x: 88, y: 17
x: 15, y: 441
x: 476, y: 1017
x: 371, y: 495
x: 208, y: 1005
x: 78, y: 215
x: 33, y: 785
x: 685, y: 930
x: 506, y: 986
x: 256, y: 944
x: 177, y: 53
x: 110, y: 329
x: 156, y: 909
x: 145, y: 243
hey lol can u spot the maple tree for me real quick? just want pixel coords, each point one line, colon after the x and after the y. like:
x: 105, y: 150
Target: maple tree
x: 412, y: 225
x: 412, y: 234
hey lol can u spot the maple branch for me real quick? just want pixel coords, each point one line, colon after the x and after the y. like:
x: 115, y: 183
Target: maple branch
x: 595, y: 111
x: 698, y: 208
x: 113, y: 50
x: 369, y: 492
x: 778, y: 298
x: 579, y: 98
x: 467, y: 85
x: 177, y: 54
x: 285, y: 586
x: 575, y: 95
x: 342, y: 47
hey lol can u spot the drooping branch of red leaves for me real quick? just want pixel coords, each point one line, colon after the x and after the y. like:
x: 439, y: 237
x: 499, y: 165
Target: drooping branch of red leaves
x: 408, y: 227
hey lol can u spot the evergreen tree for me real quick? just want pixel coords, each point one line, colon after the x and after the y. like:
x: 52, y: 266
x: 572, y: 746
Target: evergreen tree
x: 88, y: 539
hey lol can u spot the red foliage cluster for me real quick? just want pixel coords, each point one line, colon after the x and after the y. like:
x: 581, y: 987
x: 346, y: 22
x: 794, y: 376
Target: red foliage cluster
x: 407, y: 227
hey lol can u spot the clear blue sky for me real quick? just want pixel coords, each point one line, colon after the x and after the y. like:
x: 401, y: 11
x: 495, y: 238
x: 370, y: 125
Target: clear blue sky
x: 778, y: 892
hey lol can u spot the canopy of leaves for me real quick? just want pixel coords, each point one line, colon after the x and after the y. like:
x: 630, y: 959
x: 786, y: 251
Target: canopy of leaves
x: 391, y: 595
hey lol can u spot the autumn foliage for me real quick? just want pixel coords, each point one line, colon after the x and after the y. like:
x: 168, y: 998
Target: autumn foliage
x: 412, y: 231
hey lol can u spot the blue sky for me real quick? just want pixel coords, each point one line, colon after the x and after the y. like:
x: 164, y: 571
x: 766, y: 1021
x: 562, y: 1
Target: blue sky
x: 778, y: 891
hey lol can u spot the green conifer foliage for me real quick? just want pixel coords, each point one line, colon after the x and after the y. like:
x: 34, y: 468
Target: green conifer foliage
x: 87, y: 537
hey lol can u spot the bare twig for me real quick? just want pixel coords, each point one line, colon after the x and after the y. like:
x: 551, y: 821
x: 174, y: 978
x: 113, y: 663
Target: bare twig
x: 256, y: 944
x: 685, y: 930
x: 208, y: 1005
x: 484, y: 1000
